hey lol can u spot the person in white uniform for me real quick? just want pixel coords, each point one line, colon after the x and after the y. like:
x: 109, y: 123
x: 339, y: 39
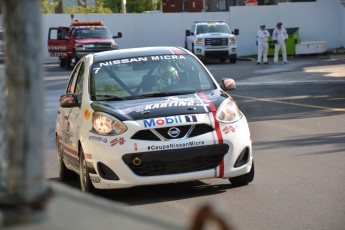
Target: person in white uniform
x: 279, y: 36
x: 263, y: 36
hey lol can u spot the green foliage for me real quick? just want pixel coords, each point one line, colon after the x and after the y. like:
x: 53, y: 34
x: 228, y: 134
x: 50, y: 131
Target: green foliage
x: 104, y: 6
x: 87, y: 10
x: 134, y: 6
x: 48, y: 7
x: 113, y: 5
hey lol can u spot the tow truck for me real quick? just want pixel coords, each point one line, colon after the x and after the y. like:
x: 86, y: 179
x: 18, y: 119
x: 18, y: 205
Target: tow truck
x: 71, y: 43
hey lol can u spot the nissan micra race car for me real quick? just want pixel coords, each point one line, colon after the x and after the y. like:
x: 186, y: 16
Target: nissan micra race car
x: 146, y: 116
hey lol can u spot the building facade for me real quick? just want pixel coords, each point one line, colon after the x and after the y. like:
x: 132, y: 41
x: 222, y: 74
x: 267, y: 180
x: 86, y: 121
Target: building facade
x: 170, y: 6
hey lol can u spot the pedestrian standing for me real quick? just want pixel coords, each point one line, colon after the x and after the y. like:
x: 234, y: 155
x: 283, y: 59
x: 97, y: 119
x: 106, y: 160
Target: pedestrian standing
x: 263, y: 36
x: 279, y: 37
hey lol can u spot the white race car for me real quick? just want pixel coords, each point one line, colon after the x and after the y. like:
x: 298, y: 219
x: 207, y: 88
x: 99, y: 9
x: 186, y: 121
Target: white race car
x: 151, y: 115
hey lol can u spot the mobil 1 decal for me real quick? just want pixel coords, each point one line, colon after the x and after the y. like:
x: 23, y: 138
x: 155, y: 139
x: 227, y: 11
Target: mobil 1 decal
x: 172, y: 120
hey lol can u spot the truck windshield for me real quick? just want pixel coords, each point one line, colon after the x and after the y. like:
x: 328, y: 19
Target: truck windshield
x: 212, y: 28
x: 92, y: 32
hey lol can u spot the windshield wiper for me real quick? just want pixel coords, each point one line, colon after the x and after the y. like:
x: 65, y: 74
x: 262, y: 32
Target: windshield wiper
x: 108, y: 98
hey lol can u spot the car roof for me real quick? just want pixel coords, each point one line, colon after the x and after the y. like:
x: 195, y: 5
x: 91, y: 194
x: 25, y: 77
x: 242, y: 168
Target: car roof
x: 137, y: 52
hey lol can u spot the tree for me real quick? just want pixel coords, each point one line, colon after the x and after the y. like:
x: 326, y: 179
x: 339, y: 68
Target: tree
x: 47, y: 7
x: 134, y: 6
x: 99, y: 7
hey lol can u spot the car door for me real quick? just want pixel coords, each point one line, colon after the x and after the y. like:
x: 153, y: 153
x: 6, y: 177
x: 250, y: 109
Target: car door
x: 70, y: 123
x: 58, y: 41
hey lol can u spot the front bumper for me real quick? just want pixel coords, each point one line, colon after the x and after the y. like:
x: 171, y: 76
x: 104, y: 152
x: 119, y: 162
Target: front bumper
x: 122, y: 162
x: 215, y: 52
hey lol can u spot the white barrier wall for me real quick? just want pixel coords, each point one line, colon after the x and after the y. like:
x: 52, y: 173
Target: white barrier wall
x: 323, y: 20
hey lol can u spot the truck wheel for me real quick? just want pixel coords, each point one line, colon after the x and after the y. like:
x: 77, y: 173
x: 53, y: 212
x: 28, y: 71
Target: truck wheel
x: 233, y: 58
x: 68, y: 64
x: 62, y: 62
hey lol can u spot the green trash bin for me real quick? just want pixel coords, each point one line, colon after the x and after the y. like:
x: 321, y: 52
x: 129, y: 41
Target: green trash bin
x: 291, y: 42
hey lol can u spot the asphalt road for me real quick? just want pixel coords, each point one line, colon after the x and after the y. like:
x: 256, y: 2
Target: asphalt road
x: 296, y: 114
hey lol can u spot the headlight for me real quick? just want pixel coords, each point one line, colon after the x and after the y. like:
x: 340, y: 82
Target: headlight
x: 228, y: 111
x: 232, y: 40
x: 199, y: 41
x: 79, y: 47
x: 114, y: 46
x: 105, y: 124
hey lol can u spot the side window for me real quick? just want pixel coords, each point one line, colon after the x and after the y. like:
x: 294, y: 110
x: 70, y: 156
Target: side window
x: 193, y: 29
x: 79, y: 83
x: 61, y: 34
x: 72, y: 80
x: 53, y: 34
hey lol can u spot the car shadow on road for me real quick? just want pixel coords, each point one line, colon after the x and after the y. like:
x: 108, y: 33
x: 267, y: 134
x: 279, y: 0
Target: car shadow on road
x: 157, y: 193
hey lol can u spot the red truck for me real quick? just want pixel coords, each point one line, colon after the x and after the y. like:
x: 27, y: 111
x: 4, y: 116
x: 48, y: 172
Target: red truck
x: 81, y: 38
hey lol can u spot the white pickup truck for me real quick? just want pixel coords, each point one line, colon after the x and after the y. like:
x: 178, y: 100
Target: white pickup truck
x: 212, y: 39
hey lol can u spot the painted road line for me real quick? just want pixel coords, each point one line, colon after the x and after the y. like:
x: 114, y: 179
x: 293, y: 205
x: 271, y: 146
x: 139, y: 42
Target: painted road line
x: 291, y: 103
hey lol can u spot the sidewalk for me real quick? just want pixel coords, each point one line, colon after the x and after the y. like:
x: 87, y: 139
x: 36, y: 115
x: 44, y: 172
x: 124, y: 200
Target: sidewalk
x: 70, y: 209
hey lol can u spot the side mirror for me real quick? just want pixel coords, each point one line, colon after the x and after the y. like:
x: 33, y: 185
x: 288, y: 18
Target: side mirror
x: 228, y: 84
x: 187, y: 32
x: 69, y: 100
x: 236, y: 31
x: 119, y: 35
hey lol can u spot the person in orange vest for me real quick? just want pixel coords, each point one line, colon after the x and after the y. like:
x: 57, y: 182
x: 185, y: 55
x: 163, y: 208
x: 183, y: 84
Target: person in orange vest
x: 263, y: 36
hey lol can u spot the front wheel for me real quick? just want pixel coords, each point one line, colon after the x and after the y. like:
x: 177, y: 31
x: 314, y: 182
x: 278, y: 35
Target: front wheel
x: 233, y: 58
x: 85, y: 182
x: 243, y: 179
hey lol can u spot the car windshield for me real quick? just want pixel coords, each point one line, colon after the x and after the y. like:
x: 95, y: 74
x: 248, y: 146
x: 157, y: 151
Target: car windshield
x: 148, y: 76
x: 212, y: 28
x: 92, y: 32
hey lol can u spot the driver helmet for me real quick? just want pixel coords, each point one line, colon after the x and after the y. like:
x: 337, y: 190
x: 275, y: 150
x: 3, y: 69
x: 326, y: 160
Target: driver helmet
x: 167, y: 75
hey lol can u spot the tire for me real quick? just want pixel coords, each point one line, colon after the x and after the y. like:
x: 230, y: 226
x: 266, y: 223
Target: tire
x: 62, y: 62
x: 233, y: 59
x: 243, y: 179
x: 85, y: 182
x: 64, y: 173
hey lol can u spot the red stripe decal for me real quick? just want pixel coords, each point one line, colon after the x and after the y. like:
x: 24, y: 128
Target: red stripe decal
x: 216, y: 125
x: 71, y: 151
x: 88, y: 156
x: 177, y: 51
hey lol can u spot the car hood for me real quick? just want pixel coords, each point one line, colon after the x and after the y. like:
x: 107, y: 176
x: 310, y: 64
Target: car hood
x: 195, y: 103
x: 215, y: 35
x: 94, y: 40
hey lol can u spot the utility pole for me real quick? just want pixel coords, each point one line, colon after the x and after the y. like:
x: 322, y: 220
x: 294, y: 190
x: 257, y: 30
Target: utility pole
x: 123, y: 6
x: 25, y: 194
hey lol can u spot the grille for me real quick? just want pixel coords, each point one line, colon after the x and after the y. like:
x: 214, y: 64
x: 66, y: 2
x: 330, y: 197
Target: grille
x: 217, y: 54
x: 196, y: 130
x: 99, y: 46
x: 176, y: 161
x: 216, y: 41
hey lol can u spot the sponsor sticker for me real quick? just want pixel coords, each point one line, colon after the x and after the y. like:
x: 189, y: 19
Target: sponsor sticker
x: 170, y: 102
x: 173, y: 120
x: 98, y: 139
x: 176, y: 145
x: 117, y: 140
x: 87, y: 114
x: 229, y: 128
